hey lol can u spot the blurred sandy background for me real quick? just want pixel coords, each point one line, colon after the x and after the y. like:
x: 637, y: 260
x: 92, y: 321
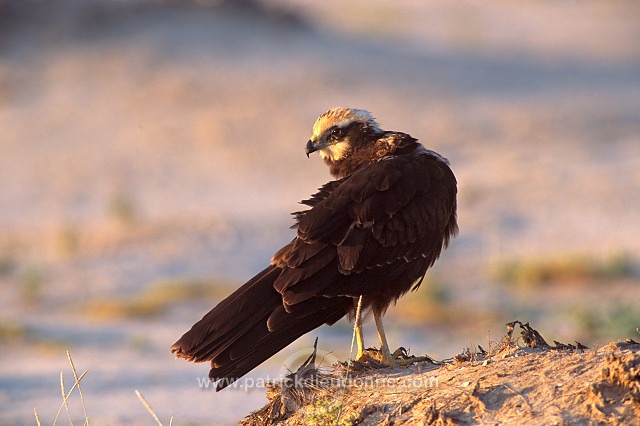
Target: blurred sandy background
x: 151, y: 151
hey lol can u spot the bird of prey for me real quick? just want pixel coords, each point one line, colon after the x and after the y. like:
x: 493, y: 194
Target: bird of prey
x: 372, y: 232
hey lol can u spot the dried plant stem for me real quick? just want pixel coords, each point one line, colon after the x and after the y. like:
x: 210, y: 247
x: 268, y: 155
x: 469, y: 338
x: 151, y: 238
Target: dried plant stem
x: 353, y: 339
x: 149, y: 409
x: 75, y: 376
x: 37, y: 417
x: 66, y: 397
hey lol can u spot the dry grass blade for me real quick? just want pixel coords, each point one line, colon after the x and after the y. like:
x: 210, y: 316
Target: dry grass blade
x: 75, y: 376
x: 353, y: 339
x: 149, y: 409
x: 66, y: 397
x: 37, y: 417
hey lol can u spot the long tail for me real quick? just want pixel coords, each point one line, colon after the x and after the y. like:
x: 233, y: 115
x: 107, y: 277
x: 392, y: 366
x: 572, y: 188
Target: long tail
x: 250, y: 326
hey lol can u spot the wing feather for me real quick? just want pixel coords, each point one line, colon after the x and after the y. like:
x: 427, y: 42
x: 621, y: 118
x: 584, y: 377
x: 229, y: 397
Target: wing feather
x: 398, y: 208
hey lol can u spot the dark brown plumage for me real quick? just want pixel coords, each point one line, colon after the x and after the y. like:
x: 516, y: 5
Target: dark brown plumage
x: 372, y: 232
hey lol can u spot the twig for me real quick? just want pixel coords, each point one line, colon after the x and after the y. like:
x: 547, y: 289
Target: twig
x: 75, y: 376
x: 323, y: 357
x: 149, y: 409
x: 311, y: 359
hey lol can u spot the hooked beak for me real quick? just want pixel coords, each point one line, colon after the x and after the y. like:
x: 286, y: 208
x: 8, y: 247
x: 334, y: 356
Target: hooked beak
x: 310, y: 147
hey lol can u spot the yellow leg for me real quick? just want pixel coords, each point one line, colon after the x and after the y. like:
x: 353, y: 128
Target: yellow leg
x: 387, y: 358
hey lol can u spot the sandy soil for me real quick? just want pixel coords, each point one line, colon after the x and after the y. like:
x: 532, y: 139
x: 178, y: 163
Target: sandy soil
x: 508, y: 384
x: 149, y: 142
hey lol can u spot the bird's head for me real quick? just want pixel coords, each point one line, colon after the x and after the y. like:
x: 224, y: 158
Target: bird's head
x: 340, y: 131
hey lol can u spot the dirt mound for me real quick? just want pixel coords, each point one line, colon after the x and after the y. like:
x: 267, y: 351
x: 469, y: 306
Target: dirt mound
x: 519, y: 379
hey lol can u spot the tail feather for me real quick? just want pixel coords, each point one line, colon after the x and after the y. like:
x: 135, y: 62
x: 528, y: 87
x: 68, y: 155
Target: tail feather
x: 237, y: 335
x: 242, y: 358
x: 230, y: 318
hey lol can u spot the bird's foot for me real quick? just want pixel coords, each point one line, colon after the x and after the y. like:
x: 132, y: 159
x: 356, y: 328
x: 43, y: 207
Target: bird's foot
x: 376, y: 358
x: 399, y: 358
x: 369, y: 356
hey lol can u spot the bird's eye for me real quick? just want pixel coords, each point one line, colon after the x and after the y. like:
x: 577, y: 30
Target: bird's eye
x: 337, y: 133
